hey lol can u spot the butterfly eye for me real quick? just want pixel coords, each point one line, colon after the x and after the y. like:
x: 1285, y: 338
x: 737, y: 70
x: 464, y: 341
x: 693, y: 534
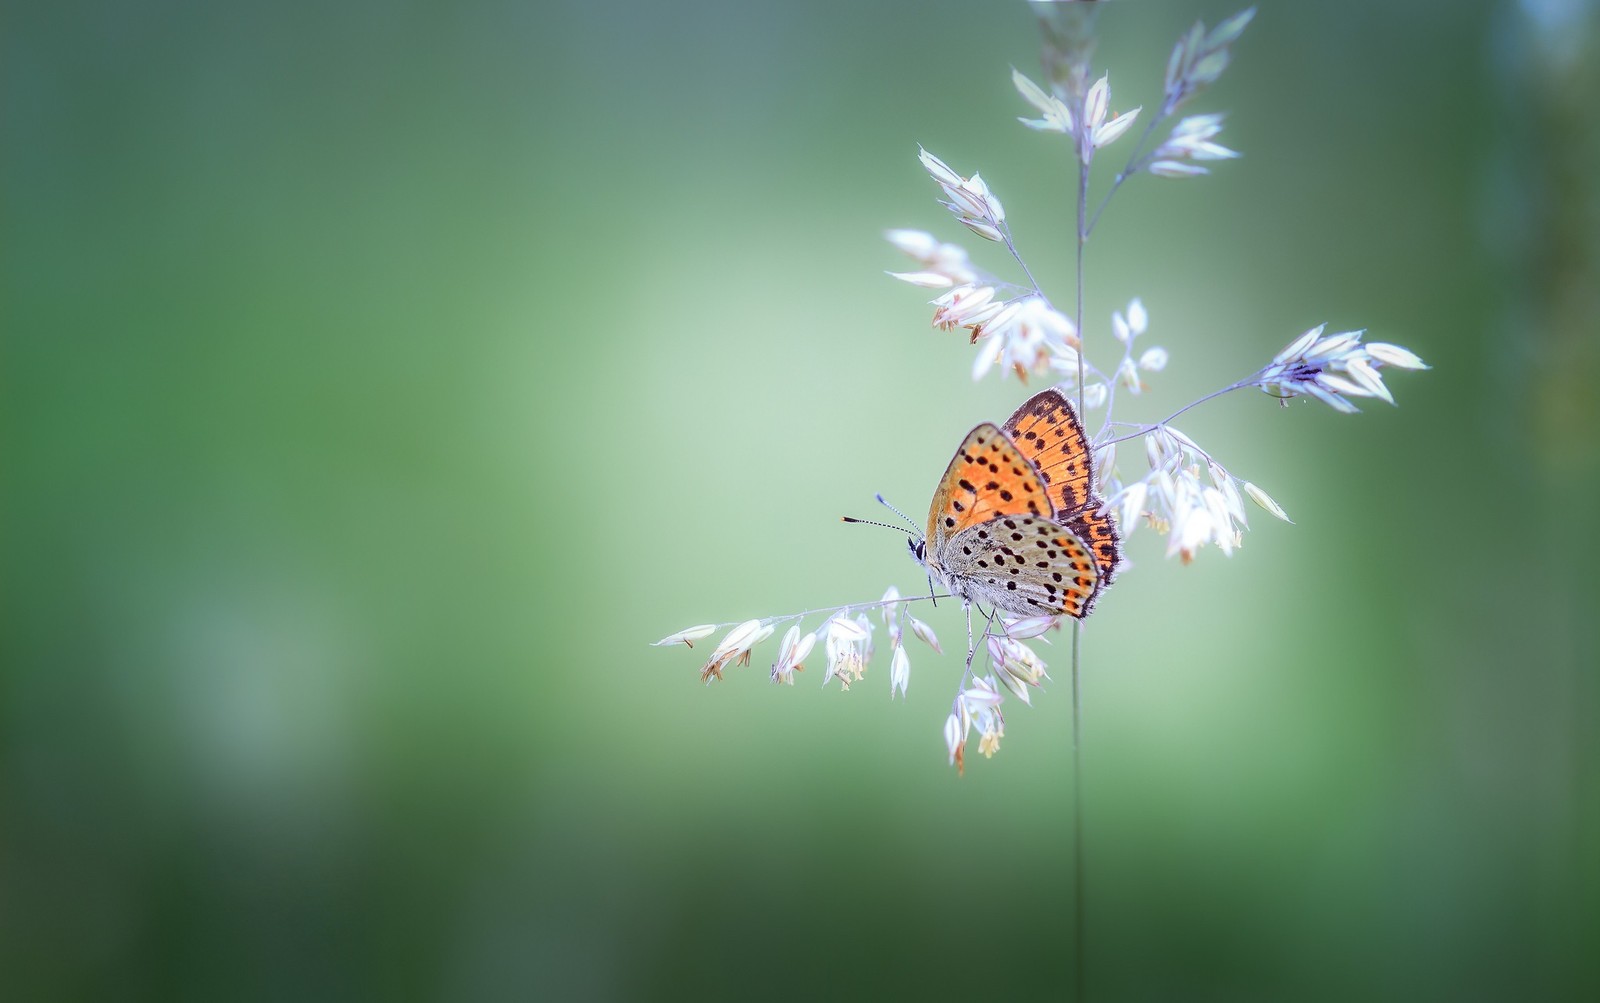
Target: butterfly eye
x: 918, y: 548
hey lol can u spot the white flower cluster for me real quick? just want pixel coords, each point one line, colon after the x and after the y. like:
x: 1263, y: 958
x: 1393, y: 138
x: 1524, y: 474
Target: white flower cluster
x: 792, y: 655
x: 1127, y: 327
x: 1021, y: 333
x: 1015, y: 669
x: 734, y: 648
x: 1196, y: 61
x: 1200, y: 57
x: 1096, y: 132
x: 943, y: 265
x: 1188, y: 496
x: 1028, y: 335
x: 849, y: 648
x: 968, y: 199
x: 1191, y: 140
x: 845, y: 638
x: 1334, y: 368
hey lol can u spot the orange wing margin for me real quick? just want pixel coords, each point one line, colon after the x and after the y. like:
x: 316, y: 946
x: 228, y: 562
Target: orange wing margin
x: 986, y: 478
x: 1097, y: 530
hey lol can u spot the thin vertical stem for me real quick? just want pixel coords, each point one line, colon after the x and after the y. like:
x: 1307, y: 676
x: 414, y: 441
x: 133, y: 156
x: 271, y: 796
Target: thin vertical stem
x: 1083, y: 239
x: 1077, y: 625
x: 1077, y: 824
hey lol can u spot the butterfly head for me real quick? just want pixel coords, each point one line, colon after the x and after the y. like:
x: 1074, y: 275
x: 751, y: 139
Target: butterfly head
x: 919, y: 549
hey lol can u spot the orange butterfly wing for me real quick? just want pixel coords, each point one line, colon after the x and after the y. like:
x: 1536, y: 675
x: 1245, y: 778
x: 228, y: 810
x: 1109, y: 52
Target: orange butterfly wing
x: 1047, y: 432
x: 987, y: 478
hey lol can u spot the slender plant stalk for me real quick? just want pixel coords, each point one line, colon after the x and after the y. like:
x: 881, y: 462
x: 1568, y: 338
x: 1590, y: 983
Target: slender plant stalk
x: 1077, y: 633
x: 1077, y: 824
x: 1136, y: 161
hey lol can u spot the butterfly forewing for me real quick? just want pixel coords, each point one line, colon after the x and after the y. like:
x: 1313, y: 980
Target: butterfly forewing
x: 986, y: 479
x: 1023, y: 564
x: 1047, y: 432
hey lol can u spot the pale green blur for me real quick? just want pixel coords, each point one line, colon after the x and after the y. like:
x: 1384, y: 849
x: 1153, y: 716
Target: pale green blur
x: 380, y: 379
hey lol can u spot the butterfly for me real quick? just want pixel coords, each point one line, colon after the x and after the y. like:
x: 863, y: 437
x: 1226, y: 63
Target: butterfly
x: 1015, y: 522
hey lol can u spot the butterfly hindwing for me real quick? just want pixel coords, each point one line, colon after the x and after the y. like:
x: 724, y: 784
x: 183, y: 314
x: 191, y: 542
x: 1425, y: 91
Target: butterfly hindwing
x: 987, y: 478
x: 1023, y: 564
x: 1096, y: 529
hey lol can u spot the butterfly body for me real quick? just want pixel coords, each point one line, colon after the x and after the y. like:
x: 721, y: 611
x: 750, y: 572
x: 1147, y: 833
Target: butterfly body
x: 1015, y: 523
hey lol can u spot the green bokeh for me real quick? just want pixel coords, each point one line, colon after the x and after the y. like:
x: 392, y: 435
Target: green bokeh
x: 380, y: 378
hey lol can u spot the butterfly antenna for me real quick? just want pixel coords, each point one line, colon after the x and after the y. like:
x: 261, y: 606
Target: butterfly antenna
x: 869, y: 522
x: 884, y: 502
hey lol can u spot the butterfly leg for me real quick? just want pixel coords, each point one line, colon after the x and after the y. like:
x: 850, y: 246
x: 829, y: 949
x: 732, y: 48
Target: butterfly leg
x: 970, y: 648
x: 988, y: 628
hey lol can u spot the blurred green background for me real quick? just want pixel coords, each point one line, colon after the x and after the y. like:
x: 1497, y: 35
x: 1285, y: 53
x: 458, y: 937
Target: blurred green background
x: 380, y: 378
